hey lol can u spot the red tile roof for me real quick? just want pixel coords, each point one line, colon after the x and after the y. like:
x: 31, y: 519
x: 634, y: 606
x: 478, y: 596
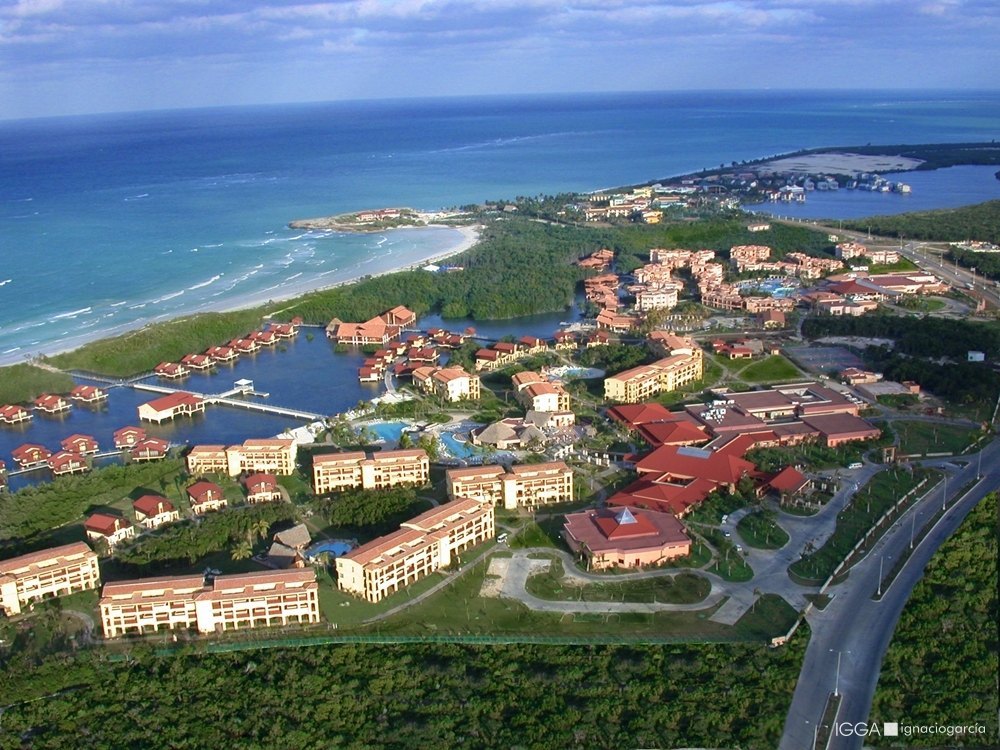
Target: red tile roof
x: 152, y: 505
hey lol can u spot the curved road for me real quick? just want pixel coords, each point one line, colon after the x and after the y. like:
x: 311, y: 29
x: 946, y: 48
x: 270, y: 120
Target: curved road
x: 856, y: 630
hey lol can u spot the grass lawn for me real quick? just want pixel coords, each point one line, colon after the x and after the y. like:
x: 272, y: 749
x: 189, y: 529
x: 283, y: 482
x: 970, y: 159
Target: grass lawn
x: 930, y: 437
x: 768, y: 370
x: 857, y: 518
x: 760, y: 530
x: 459, y: 609
x: 684, y: 588
x: 732, y: 568
x: 531, y: 535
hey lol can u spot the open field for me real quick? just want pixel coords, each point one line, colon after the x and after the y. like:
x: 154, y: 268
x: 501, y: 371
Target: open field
x: 930, y: 437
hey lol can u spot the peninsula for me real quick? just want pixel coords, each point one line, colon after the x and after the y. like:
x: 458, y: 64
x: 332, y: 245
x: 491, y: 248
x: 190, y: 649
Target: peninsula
x: 377, y: 220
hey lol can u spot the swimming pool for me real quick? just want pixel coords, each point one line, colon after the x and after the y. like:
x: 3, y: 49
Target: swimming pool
x: 777, y: 288
x: 457, y: 448
x: 336, y: 547
x: 390, y: 432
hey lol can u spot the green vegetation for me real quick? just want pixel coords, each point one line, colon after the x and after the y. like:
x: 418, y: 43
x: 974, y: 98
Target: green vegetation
x: 189, y: 541
x: 986, y: 264
x: 918, y: 337
x: 811, y: 455
x: 34, y: 514
x: 615, y: 358
x: 370, y: 513
x: 931, y: 437
x: 769, y: 370
x: 441, y: 695
x: 857, y: 519
x: 761, y: 530
x: 978, y: 222
x: 683, y: 588
x: 140, y: 351
x: 20, y: 383
x: 942, y: 661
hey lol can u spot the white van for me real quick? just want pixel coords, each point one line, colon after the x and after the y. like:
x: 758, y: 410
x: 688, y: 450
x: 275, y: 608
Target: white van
x: 855, y: 465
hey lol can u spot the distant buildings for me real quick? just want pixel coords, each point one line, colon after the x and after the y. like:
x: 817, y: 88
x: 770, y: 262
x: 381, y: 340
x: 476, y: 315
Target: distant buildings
x: 422, y: 545
x: 227, y: 602
x: 379, y: 330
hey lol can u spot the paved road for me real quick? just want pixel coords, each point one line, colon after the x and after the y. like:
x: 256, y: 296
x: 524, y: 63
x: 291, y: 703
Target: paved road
x: 858, y: 628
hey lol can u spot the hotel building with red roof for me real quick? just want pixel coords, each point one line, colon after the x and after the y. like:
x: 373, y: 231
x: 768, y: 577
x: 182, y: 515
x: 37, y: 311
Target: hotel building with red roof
x: 152, y: 511
x: 170, y: 406
x: 429, y: 542
x: 227, y: 602
x: 58, y: 571
x: 334, y: 472
x: 625, y: 538
x: 524, y: 486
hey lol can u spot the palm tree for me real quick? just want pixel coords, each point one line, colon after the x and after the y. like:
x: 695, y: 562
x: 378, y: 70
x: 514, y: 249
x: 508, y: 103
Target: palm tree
x: 241, y: 551
x: 259, y: 528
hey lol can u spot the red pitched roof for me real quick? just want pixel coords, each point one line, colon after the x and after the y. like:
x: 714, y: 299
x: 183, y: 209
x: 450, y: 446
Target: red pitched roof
x: 788, y: 479
x: 104, y: 523
x: 152, y: 505
x: 201, y: 492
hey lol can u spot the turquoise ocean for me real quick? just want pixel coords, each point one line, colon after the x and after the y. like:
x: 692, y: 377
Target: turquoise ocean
x: 108, y: 222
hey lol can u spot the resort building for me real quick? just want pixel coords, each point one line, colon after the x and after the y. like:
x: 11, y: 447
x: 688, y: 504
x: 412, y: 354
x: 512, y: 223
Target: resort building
x: 524, y: 486
x: 171, y: 406
x: 51, y: 572
x: 85, y: 445
x: 127, y: 437
x: 511, y: 433
x: 149, y: 449
x: 429, y: 542
x: 448, y: 383
x: 52, y: 404
x: 171, y: 370
x: 625, y: 538
x: 378, y: 330
x: 333, y: 472
x: 206, y: 497
x: 88, y: 394
x: 222, y: 353
x: 207, y: 459
x: 67, y: 462
x: 12, y: 414
x: 262, y: 488
x: 152, y: 511
x: 664, y: 375
x: 227, y: 602
x: 199, y: 362
x: 30, y: 455
x: 112, y: 530
x: 274, y: 456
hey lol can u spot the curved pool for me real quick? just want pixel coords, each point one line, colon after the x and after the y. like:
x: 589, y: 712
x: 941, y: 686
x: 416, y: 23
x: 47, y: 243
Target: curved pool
x: 336, y: 547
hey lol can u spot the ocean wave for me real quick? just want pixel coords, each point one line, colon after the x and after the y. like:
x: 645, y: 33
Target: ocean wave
x: 118, y: 304
x: 5, y: 282
x: 137, y: 197
x: 206, y: 283
x: 166, y: 297
x: 72, y: 314
x: 294, y: 276
x: 9, y: 351
x: 138, y: 307
x: 513, y: 140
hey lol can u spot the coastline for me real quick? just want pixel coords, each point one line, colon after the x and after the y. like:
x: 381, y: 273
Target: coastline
x: 467, y: 238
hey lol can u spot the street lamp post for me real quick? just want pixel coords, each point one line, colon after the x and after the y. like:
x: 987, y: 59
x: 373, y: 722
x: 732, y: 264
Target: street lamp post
x: 944, y: 495
x: 836, y: 685
x: 881, y: 559
x: 913, y: 524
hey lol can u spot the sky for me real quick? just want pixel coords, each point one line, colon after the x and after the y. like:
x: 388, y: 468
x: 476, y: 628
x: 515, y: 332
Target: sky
x: 83, y: 56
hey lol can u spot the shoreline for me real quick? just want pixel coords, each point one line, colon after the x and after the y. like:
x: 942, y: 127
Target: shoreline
x: 468, y: 237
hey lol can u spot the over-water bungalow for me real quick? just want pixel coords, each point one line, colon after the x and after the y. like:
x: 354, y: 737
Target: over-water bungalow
x: 171, y: 406
x: 222, y: 353
x: 126, y: 437
x: 264, y: 338
x: 170, y: 370
x: 67, y: 462
x: 31, y: 455
x: 13, y: 414
x: 88, y: 394
x: 85, y: 445
x: 283, y: 330
x: 149, y: 449
x: 369, y: 375
x: 52, y: 404
x: 197, y: 362
x: 244, y: 346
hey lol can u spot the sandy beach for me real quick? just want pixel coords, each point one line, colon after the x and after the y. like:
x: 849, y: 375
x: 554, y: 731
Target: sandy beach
x: 465, y: 238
